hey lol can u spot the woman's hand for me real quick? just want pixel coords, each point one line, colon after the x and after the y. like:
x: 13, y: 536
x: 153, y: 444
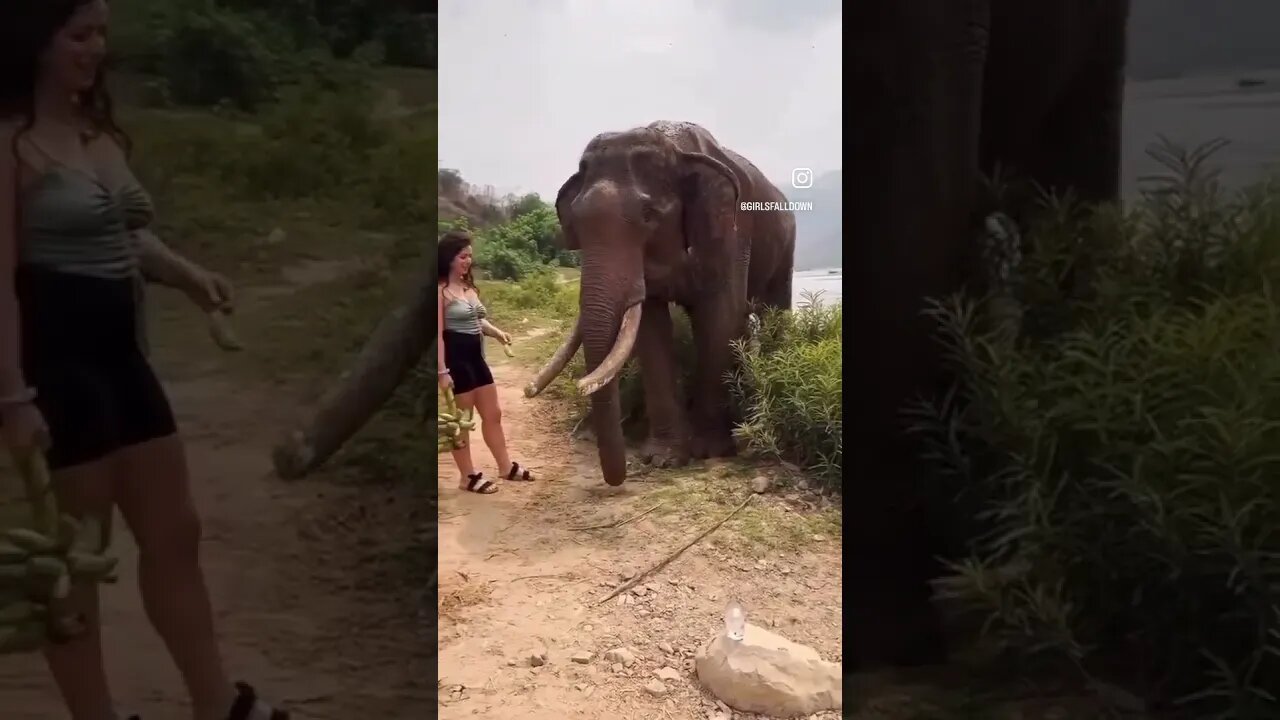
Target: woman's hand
x: 503, y: 338
x: 446, y: 380
x: 22, y: 428
x: 209, y: 290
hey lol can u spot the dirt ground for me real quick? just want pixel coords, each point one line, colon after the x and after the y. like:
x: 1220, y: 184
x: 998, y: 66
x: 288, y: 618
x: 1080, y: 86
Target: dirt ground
x: 517, y: 578
x: 284, y: 572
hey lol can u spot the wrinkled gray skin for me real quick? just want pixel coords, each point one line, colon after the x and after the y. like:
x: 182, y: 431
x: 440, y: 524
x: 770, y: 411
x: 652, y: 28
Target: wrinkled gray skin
x: 655, y: 213
x: 944, y: 92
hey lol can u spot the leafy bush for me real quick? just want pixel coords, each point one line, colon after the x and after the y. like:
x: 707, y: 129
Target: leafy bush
x: 788, y: 389
x: 210, y: 55
x: 409, y: 39
x: 1118, y: 436
x: 522, y: 246
x: 785, y: 389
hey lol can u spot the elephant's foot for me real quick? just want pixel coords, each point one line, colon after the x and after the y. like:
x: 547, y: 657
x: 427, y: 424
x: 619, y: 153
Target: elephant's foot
x: 713, y: 444
x: 663, y: 453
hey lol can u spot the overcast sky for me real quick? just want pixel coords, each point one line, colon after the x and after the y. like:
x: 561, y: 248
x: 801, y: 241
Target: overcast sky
x: 524, y: 84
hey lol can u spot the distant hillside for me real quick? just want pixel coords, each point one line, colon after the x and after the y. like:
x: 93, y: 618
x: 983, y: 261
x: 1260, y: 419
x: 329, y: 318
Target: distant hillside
x: 1175, y: 38
x: 818, y: 231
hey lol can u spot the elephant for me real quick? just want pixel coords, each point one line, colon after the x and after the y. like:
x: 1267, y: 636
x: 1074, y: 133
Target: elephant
x: 661, y: 215
x: 947, y: 92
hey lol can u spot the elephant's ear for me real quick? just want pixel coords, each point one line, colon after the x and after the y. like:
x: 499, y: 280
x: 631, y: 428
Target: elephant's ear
x: 568, y: 191
x: 709, y: 191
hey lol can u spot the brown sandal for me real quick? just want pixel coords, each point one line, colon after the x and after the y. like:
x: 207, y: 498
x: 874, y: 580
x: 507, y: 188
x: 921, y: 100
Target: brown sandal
x: 518, y: 474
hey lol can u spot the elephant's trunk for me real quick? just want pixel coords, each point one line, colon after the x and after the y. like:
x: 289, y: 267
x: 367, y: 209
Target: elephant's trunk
x: 610, y: 318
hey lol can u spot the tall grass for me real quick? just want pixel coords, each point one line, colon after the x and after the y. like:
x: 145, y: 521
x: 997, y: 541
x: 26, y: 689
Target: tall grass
x: 1119, y: 438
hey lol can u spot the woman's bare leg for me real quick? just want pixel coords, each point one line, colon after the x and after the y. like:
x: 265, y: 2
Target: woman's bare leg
x: 153, y: 492
x: 490, y: 412
x: 462, y: 456
x: 77, y: 665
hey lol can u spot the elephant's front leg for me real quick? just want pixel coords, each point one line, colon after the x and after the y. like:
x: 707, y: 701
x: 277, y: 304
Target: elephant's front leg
x: 717, y: 322
x: 668, y: 434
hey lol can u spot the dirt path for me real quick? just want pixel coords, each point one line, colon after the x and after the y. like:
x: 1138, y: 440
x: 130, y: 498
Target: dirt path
x: 514, y: 578
x: 281, y: 580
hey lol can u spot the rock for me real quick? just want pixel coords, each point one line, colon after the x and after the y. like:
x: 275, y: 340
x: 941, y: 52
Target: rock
x: 761, y: 484
x: 582, y: 657
x: 276, y: 236
x: 620, y: 655
x: 668, y: 673
x: 656, y: 688
x: 666, y: 648
x: 616, y: 667
x: 537, y: 657
x: 768, y: 674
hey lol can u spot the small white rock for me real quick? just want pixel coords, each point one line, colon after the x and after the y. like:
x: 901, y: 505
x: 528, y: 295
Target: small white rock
x: 582, y: 657
x: 656, y: 688
x: 668, y: 673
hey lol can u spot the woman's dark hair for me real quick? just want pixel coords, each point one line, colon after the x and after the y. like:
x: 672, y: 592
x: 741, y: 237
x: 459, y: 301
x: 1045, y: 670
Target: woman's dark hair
x: 29, y: 27
x: 452, y: 243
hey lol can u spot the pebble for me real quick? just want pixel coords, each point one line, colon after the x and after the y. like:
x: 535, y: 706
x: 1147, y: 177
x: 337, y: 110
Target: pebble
x: 655, y: 688
x: 582, y: 657
x: 620, y: 655
x: 537, y: 657
x: 761, y: 484
x: 666, y: 648
x: 616, y: 667
x: 668, y: 673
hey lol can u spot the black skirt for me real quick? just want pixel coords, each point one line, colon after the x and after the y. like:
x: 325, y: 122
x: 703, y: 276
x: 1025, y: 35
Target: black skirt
x: 80, y: 352
x: 464, y: 357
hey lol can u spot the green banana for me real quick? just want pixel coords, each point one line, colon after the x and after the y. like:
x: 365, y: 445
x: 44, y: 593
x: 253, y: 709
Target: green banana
x: 506, y: 348
x: 20, y: 611
x: 68, y: 532
x: 12, y: 554
x: 92, y: 567
x: 46, y: 566
x: 61, y: 587
x: 25, y: 637
x: 30, y: 540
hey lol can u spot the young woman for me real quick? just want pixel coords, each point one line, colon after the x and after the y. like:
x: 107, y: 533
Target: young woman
x: 462, y: 326
x: 74, y: 379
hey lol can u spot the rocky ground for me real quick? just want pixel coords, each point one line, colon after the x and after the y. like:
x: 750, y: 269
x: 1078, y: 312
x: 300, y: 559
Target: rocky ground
x: 521, y: 583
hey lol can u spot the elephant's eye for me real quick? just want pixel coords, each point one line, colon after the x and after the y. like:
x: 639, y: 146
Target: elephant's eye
x: 648, y: 213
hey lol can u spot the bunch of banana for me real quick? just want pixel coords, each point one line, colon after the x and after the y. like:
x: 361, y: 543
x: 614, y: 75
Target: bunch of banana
x: 39, y: 565
x: 451, y: 423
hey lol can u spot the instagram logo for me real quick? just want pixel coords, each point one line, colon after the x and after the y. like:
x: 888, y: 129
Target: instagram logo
x: 801, y: 178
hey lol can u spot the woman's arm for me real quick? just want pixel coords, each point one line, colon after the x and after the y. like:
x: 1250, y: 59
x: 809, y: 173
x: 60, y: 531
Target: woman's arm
x: 160, y: 264
x: 441, y: 368
x: 492, y: 331
x: 12, y: 380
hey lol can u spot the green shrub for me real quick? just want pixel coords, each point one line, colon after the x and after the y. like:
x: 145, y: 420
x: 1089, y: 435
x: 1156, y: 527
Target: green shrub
x: 788, y: 389
x: 409, y: 40
x: 1119, y: 441
x: 212, y: 55
x: 522, y: 246
x: 785, y: 389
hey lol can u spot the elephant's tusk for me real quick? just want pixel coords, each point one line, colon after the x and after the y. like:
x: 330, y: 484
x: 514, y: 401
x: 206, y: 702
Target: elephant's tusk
x: 618, y: 354
x: 557, y: 363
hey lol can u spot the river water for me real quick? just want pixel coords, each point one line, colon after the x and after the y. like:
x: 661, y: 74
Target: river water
x: 1187, y: 111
